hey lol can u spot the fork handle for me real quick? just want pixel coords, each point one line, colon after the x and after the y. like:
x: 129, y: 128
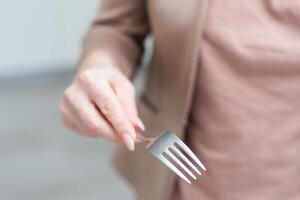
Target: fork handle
x: 143, y: 139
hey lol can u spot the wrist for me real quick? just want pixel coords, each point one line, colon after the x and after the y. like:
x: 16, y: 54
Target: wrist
x: 97, y: 60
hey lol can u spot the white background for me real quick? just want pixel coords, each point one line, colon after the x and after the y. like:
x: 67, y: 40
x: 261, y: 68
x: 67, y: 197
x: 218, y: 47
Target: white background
x: 42, y: 35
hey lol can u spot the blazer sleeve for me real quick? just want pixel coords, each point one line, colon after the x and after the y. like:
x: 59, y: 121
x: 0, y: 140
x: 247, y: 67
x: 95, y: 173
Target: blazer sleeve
x: 119, y: 29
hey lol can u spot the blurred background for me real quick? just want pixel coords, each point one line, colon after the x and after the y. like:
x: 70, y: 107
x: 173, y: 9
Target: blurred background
x: 39, y: 159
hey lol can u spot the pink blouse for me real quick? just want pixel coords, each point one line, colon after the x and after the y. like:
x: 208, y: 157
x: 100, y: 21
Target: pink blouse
x: 245, y: 119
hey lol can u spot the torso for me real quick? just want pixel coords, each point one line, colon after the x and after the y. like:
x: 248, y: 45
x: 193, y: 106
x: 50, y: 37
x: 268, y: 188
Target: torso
x: 245, y: 119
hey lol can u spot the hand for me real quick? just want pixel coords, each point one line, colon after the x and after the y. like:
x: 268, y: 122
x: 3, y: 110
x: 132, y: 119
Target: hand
x: 100, y: 103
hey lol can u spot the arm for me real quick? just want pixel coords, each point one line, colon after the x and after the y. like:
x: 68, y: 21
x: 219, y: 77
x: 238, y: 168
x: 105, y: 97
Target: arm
x: 116, y: 35
x: 100, y: 101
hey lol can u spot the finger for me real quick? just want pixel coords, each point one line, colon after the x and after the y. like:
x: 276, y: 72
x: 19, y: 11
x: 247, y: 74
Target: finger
x: 89, y: 119
x: 68, y: 119
x: 107, y: 131
x: 125, y: 92
x: 112, y: 110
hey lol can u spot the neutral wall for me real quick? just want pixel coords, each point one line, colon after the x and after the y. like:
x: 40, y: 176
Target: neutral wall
x: 42, y: 35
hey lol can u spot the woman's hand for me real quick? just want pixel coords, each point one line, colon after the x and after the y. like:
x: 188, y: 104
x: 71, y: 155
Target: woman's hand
x: 100, y: 103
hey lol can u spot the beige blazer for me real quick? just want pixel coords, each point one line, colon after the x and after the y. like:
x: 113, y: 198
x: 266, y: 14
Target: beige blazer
x: 176, y: 25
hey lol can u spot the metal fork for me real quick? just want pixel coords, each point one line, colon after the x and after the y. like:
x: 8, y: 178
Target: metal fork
x: 163, y: 147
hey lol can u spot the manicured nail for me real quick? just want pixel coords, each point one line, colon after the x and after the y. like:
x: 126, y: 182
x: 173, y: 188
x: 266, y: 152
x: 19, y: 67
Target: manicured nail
x: 138, y: 123
x: 128, y: 141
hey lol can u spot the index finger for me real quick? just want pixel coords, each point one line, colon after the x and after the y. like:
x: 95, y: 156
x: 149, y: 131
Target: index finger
x: 106, y: 100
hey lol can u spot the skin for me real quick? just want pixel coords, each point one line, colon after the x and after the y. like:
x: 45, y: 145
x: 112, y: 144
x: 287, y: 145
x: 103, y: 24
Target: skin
x: 100, y: 102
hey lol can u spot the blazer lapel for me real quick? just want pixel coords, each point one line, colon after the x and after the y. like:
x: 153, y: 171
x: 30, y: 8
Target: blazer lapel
x: 177, y: 26
x: 178, y: 41
x: 184, y: 21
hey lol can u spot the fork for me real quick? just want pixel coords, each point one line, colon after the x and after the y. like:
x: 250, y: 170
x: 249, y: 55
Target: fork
x: 167, y: 147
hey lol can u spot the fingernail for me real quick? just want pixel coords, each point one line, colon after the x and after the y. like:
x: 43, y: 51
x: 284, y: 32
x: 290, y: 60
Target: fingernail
x: 138, y: 123
x: 128, y: 141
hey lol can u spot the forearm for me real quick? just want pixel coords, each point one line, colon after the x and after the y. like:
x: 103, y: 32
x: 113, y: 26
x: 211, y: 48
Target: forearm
x: 116, y: 36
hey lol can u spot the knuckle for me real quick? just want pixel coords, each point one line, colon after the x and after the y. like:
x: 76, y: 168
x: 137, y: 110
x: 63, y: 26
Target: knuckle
x: 107, y: 108
x: 91, y: 127
x: 69, y: 94
x: 86, y: 77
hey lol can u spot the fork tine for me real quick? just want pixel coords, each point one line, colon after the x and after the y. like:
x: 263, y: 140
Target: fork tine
x: 191, y: 154
x: 173, y: 168
x: 169, y: 153
x: 183, y: 157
